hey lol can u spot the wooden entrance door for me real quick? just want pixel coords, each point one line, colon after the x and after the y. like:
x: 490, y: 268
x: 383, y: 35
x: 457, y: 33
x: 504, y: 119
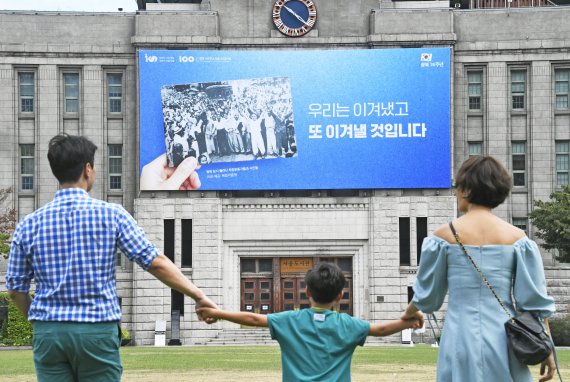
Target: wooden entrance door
x: 256, y: 295
x: 293, y: 293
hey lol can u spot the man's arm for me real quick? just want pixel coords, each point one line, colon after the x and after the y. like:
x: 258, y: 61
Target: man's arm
x: 242, y: 318
x: 165, y: 270
x: 22, y: 301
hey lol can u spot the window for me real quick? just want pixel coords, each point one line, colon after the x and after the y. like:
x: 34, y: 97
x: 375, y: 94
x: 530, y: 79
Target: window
x: 27, y: 167
x: 404, y: 226
x: 115, y: 92
x: 518, y: 88
x: 115, y: 167
x: 562, y: 159
x: 475, y: 148
x: 169, y: 239
x: 260, y: 265
x: 521, y: 223
x: 265, y: 265
x: 474, y: 87
x: 421, y: 234
x: 27, y: 91
x: 177, y: 302
x: 187, y: 243
x: 71, y: 92
x: 561, y: 78
x: 410, y: 294
x: 118, y: 258
x: 519, y: 163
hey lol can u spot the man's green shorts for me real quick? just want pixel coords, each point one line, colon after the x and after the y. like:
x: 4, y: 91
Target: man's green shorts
x: 73, y: 351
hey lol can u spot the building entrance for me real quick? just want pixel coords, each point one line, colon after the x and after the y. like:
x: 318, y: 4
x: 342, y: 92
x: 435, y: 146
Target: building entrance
x: 293, y: 294
x: 257, y: 295
x: 276, y: 284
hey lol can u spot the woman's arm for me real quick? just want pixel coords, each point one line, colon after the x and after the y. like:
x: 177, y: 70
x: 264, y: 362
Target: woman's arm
x: 548, y: 366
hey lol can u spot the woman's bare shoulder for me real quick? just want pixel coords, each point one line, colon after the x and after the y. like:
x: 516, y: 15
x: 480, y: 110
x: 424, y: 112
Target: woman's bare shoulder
x: 444, y: 232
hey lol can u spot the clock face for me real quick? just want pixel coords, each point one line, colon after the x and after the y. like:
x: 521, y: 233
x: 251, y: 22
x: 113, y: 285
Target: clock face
x: 294, y: 18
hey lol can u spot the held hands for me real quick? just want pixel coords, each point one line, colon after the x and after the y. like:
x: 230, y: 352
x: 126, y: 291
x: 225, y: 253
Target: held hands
x: 418, y: 315
x: 157, y: 176
x: 413, y: 323
x: 207, y: 313
x: 204, y: 308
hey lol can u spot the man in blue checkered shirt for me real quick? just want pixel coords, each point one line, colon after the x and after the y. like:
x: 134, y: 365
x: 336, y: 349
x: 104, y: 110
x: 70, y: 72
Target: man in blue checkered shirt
x: 69, y: 248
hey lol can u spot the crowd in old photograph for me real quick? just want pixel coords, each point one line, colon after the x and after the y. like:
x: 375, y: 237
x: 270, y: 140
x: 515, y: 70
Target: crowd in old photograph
x: 229, y: 121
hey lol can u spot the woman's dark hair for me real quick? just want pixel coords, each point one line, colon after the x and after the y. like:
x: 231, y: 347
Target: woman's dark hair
x: 325, y: 281
x: 68, y: 155
x: 485, y: 181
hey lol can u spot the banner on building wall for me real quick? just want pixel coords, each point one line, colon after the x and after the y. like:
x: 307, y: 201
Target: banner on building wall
x: 307, y: 119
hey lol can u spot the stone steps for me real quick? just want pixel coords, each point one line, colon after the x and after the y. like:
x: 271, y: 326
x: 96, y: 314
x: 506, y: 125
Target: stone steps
x: 261, y: 336
x: 242, y: 337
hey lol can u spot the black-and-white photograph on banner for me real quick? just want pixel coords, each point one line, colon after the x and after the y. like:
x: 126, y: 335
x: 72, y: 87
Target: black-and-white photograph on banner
x: 229, y: 121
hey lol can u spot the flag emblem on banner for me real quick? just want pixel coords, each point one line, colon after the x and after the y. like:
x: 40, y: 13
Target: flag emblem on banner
x: 426, y: 57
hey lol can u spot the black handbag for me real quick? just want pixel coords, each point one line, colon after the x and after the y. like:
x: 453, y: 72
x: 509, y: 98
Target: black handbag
x: 526, y: 336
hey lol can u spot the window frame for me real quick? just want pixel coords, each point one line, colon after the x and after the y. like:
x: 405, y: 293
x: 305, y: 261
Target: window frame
x: 21, y: 97
x: 110, y: 98
x: 66, y: 97
x: 27, y: 175
x: 480, y: 84
x: 404, y: 241
x: 522, y: 93
x: 471, y: 144
x: 524, y: 155
x: 111, y: 174
x: 558, y: 154
x: 561, y: 94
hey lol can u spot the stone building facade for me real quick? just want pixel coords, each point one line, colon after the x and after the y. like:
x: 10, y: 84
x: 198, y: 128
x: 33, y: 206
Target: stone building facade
x: 77, y: 73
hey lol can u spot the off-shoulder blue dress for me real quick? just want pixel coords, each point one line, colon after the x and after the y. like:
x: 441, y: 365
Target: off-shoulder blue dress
x: 473, y: 345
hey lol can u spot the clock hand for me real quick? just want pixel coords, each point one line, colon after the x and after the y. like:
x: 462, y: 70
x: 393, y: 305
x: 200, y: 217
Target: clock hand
x: 296, y: 15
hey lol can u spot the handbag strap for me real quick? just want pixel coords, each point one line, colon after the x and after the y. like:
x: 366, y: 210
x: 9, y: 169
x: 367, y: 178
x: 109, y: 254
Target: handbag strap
x: 495, y: 294
x: 478, y: 270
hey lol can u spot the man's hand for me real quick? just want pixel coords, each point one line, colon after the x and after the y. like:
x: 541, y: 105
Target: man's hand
x: 204, y: 309
x: 207, y: 313
x: 22, y: 301
x: 157, y: 176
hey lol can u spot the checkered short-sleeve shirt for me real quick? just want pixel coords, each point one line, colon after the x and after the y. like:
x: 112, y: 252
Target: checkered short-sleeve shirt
x: 69, y: 248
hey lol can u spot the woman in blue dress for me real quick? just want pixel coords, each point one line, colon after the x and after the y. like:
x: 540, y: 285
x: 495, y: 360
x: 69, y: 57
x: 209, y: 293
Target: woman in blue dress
x: 473, y: 345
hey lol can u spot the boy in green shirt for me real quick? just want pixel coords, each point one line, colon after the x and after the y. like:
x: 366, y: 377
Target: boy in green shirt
x: 316, y: 343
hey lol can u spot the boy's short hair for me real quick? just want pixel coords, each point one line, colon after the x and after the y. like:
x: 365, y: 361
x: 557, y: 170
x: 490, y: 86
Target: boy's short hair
x: 325, y: 281
x: 68, y: 155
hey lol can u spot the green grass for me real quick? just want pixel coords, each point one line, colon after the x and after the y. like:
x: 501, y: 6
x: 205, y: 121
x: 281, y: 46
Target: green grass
x: 170, y: 360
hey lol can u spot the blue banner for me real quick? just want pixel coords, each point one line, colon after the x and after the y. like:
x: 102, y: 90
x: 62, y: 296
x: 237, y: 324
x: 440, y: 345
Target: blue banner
x: 304, y: 119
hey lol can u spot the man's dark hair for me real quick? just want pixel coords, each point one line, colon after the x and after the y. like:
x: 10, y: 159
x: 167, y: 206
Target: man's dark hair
x: 325, y: 281
x: 68, y: 155
x: 485, y: 181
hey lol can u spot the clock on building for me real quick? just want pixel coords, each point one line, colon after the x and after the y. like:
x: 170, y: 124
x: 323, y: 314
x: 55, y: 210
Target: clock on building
x: 294, y: 18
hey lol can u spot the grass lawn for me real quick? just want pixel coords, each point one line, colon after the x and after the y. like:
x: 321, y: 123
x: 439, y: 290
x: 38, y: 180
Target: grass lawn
x: 259, y: 363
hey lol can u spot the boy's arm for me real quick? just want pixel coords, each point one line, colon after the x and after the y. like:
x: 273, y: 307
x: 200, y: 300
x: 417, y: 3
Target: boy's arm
x: 391, y: 327
x: 242, y: 318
